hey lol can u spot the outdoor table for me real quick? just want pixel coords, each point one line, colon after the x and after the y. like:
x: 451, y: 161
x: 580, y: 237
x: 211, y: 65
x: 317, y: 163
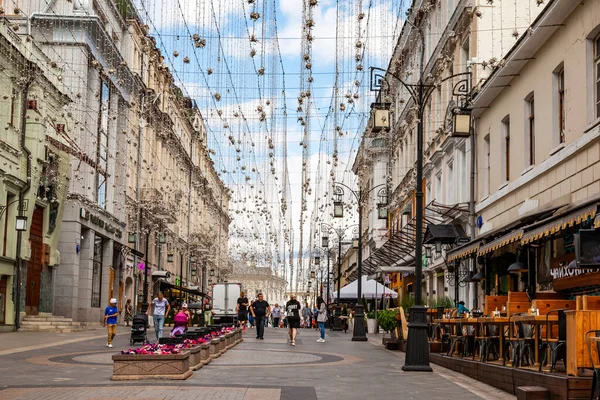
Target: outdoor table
x: 537, y: 321
x: 453, y: 322
x: 501, y: 322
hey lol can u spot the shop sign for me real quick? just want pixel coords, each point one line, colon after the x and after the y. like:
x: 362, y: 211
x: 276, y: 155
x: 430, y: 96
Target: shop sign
x: 564, y: 272
x: 94, y: 219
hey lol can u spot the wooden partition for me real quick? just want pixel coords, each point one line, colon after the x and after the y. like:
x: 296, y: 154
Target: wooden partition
x: 518, y: 297
x: 494, y: 302
x: 517, y: 307
x: 591, y: 303
x: 578, y: 323
x: 546, y: 305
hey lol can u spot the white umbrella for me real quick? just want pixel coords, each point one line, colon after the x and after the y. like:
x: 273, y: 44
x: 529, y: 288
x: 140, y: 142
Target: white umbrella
x: 370, y: 290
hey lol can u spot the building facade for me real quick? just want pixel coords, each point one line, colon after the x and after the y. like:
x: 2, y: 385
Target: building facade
x: 537, y: 132
x: 257, y: 280
x: 460, y: 42
x: 35, y: 171
x: 144, y: 196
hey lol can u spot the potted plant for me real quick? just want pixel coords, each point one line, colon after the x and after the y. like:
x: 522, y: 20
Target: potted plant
x: 371, y: 322
x: 386, y: 320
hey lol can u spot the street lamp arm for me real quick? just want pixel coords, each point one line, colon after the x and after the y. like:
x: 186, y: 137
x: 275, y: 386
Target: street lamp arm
x: 349, y: 188
x: 406, y: 86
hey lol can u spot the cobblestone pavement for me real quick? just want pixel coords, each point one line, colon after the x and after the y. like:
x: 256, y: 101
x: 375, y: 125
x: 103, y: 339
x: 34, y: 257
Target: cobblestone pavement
x: 79, y: 366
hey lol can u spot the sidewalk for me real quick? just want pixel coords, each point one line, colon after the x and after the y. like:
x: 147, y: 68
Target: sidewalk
x: 17, y: 342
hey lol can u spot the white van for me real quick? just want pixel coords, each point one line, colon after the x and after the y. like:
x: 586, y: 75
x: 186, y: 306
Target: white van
x: 224, y: 301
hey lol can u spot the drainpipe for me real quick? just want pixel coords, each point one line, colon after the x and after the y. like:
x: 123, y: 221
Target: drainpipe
x: 472, y: 211
x: 22, y: 192
x: 138, y: 211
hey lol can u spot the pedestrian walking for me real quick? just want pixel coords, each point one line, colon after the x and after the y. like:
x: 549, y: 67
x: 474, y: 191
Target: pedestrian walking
x: 292, y: 309
x: 207, y: 312
x: 128, y: 312
x: 306, y: 314
x: 161, y: 309
x: 250, y: 317
x: 321, y: 318
x: 260, y: 311
x: 110, y: 320
x: 242, y: 310
x: 276, y: 312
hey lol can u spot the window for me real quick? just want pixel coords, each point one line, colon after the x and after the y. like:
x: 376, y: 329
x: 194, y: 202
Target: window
x: 506, y: 149
x: 597, y: 73
x: 102, y: 149
x: 561, y: 105
x: 438, y: 187
x: 465, y: 54
x: 97, y: 272
x: 531, y: 129
x: 486, y: 166
x: 10, y: 198
x: 450, y: 183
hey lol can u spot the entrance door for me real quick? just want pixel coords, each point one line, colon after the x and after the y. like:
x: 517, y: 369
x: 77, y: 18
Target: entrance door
x: 3, y: 284
x: 34, y: 270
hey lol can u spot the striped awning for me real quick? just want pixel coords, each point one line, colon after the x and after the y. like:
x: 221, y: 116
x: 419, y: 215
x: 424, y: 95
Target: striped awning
x: 500, y: 242
x: 569, y: 220
x: 463, y: 251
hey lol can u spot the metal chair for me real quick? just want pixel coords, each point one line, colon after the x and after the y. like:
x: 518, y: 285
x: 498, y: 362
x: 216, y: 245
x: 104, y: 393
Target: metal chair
x: 557, y: 346
x: 595, y: 394
x: 490, y: 340
x: 516, y: 344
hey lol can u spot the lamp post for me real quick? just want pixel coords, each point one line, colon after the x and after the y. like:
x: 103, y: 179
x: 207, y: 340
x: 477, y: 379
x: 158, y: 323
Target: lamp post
x: 326, y: 250
x: 145, y: 302
x: 359, y: 334
x: 337, y: 322
x: 417, y: 351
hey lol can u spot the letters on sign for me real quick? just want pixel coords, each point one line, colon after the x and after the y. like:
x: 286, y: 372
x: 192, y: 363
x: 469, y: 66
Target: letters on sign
x: 564, y: 272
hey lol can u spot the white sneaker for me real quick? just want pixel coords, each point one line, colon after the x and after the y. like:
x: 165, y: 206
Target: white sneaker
x: 320, y: 340
x: 293, y: 343
x: 110, y: 345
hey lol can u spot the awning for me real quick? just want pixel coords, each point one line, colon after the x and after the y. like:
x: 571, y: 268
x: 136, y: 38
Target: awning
x: 444, y: 233
x: 463, y: 251
x: 502, y: 241
x: 558, y: 224
x: 396, y: 269
x: 183, y: 289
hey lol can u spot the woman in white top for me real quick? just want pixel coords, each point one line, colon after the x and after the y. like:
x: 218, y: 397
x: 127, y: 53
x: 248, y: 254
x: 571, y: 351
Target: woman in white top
x: 321, y: 318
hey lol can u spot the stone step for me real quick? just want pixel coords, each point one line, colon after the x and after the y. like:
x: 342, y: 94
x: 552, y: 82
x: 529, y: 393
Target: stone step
x: 50, y: 319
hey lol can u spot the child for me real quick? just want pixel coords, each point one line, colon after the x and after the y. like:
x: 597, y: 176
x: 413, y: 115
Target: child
x: 180, y: 323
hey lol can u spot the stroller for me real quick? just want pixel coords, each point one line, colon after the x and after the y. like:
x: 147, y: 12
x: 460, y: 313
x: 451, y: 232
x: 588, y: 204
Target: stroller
x: 138, y: 329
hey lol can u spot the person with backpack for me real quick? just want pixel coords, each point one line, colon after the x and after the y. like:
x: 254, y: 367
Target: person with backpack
x: 292, y: 309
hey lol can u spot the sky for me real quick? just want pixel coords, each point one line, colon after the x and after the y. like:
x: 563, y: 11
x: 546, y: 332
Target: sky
x: 284, y: 114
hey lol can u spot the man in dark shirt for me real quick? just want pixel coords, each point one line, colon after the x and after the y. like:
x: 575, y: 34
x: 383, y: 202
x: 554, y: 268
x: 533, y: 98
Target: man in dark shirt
x: 242, y: 310
x: 260, y: 311
x: 292, y: 309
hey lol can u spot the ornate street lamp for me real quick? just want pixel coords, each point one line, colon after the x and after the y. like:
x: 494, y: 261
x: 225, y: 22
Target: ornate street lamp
x: 380, y: 113
x: 212, y: 272
x: 428, y: 252
x: 131, y: 237
x: 312, y: 275
x: 21, y: 225
x: 162, y: 238
x: 338, y: 205
x: 325, y: 241
x: 462, y: 123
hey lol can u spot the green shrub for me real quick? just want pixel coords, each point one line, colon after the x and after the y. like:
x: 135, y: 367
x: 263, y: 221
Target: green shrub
x: 371, y: 314
x: 387, y: 320
x: 407, y: 302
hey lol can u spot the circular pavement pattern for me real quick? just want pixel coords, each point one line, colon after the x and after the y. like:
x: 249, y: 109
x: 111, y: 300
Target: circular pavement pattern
x: 265, y: 357
x: 98, y: 358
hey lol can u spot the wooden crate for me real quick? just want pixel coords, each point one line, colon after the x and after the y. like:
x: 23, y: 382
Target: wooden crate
x: 518, y: 297
x: 578, y: 323
x: 546, y: 305
x: 494, y: 302
x: 513, y: 307
x: 591, y: 302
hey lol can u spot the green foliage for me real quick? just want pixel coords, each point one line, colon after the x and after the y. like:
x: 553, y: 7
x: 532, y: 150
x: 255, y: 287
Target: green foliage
x: 371, y: 314
x: 407, y: 302
x: 443, y: 301
x: 387, y: 320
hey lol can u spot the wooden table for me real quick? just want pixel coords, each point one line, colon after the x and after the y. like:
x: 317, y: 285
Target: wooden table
x: 537, y: 321
x: 453, y: 322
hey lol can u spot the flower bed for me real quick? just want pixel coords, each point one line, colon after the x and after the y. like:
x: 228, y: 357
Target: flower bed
x: 172, y: 361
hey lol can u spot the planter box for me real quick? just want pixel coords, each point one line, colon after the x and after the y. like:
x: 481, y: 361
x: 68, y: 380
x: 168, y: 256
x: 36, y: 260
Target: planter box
x: 151, y: 366
x: 205, y: 353
x: 372, y: 325
x: 392, y: 344
x: 222, y: 348
x: 214, y: 348
x: 228, y: 340
x: 195, y: 358
x: 435, y: 347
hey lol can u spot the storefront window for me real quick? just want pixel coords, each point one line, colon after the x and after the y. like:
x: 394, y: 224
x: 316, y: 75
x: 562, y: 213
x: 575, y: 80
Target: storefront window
x: 97, y: 272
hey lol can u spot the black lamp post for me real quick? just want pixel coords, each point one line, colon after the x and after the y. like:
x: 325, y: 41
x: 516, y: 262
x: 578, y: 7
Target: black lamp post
x: 359, y: 334
x: 145, y: 302
x: 417, y: 349
x: 337, y: 322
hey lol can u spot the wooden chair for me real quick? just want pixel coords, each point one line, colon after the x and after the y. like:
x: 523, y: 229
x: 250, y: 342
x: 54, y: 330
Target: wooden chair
x: 557, y: 346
